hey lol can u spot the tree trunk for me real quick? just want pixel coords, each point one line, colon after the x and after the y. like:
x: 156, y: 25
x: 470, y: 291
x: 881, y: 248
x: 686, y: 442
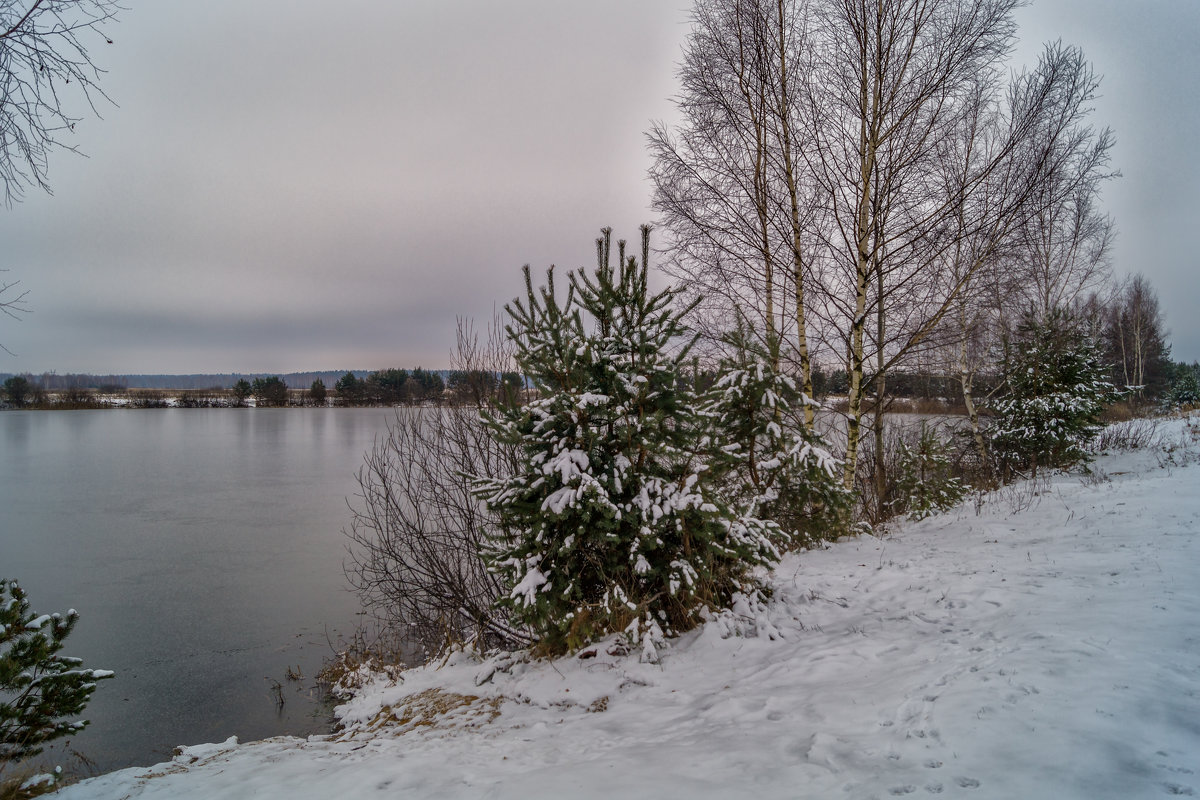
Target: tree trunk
x: 967, y: 379
x: 880, y: 388
x: 789, y: 171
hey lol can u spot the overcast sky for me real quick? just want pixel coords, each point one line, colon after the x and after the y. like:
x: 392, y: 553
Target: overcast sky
x: 291, y: 185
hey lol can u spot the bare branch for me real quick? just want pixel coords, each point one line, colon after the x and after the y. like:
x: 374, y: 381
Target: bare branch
x: 43, y: 50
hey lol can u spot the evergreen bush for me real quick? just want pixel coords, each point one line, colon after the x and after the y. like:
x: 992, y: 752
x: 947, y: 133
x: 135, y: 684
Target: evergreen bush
x: 241, y: 390
x: 925, y: 482
x: 38, y: 687
x: 1056, y: 390
x: 1184, y: 391
x: 773, y: 466
x: 317, y: 392
x: 270, y: 391
x: 614, y: 521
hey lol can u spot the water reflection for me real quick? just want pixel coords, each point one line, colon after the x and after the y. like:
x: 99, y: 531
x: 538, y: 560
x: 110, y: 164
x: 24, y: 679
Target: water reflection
x: 203, y: 550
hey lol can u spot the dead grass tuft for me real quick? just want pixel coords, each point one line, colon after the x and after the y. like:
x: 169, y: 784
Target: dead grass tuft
x: 13, y: 785
x: 360, y: 662
x: 432, y: 708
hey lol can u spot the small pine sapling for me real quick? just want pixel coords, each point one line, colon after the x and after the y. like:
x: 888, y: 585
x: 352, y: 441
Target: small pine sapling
x: 1184, y: 391
x: 38, y: 687
x: 926, y: 483
x: 1056, y: 390
x: 771, y: 464
x: 613, y: 523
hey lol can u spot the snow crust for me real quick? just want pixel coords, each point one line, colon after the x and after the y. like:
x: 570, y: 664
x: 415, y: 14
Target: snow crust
x: 1043, y: 646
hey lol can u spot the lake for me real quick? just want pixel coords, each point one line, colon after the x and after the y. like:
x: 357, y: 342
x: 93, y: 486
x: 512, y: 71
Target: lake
x: 203, y: 551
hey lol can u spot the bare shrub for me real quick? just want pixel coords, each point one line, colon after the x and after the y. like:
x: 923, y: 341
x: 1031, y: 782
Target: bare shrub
x: 148, y: 398
x: 202, y: 398
x: 837, y: 404
x: 365, y: 657
x: 76, y: 398
x: 935, y: 405
x: 928, y: 465
x: 1026, y: 493
x: 417, y: 529
x: 1133, y: 434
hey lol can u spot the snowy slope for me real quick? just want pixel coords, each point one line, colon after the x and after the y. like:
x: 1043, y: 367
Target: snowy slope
x: 1043, y: 646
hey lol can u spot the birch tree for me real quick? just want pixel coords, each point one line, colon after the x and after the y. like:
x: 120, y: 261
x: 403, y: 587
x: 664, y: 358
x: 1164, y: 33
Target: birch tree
x: 889, y: 81
x: 865, y: 155
x: 1066, y: 240
x: 985, y: 269
x: 43, y: 50
x: 729, y: 181
x: 1135, y: 337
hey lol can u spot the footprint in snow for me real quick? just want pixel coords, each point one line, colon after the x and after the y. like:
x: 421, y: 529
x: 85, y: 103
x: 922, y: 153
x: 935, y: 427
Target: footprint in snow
x: 933, y: 764
x: 1180, y: 770
x: 968, y: 783
x: 898, y: 790
x: 1178, y: 790
x: 934, y: 788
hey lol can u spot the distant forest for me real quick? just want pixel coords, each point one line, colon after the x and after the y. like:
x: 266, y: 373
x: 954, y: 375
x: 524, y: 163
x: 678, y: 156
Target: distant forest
x: 53, y: 381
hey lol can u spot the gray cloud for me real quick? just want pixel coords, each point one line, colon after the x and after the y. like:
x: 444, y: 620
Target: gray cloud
x: 292, y: 185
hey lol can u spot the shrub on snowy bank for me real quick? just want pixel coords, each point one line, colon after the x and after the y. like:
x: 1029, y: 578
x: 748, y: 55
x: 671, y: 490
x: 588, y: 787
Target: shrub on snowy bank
x: 925, y: 483
x: 38, y: 687
x: 615, y: 499
x: 760, y: 450
x: 417, y: 530
x: 1056, y: 392
x: 616, y: 520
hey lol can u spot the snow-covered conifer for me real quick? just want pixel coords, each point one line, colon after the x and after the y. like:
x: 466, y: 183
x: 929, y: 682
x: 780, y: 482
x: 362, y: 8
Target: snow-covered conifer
x: 613, y: 521
x: 38, y: 687
x: 773, y: 467
x: 1056, y: 389
x: 925, y: 482
x: 1184, y: 391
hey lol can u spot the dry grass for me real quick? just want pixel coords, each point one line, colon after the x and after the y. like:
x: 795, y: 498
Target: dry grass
x: 351, y: 669
x: 433, y: 709
x: 12, y: 783
x: 1119, y: 412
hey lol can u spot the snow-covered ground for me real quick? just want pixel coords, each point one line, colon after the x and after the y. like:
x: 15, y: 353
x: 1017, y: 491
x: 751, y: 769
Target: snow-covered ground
x: 1039, y: 646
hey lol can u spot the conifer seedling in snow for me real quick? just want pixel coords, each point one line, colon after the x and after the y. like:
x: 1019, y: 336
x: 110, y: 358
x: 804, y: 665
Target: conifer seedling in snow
x: 614, y: 521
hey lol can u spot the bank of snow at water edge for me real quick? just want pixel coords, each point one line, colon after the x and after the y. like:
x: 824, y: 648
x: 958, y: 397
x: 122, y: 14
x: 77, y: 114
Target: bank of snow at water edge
x: 1048, y: 651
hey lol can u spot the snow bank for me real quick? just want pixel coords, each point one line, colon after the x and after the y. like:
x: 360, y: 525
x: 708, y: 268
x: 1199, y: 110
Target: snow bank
x: 1042, y: 645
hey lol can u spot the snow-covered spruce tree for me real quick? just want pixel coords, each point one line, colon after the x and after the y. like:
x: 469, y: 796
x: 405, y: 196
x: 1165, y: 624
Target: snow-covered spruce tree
x: 1055, y: 391
x: 925, y: 483
x: 615, y: 522
x: 773, y: 467
x: 1184, y: 390
x: 38, y: 687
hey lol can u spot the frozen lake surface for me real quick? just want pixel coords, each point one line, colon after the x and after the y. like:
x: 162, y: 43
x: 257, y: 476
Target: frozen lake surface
x: 203, y: 550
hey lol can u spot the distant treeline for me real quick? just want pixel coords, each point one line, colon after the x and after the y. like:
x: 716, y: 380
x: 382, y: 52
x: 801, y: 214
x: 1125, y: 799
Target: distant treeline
x: 381, y: 387
x: 60, y: 382
x: 391, y: 386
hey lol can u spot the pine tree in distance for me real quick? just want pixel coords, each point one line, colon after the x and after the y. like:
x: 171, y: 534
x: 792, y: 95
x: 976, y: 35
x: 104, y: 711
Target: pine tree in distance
x: 615, y: 521
x: 1056, y: 390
